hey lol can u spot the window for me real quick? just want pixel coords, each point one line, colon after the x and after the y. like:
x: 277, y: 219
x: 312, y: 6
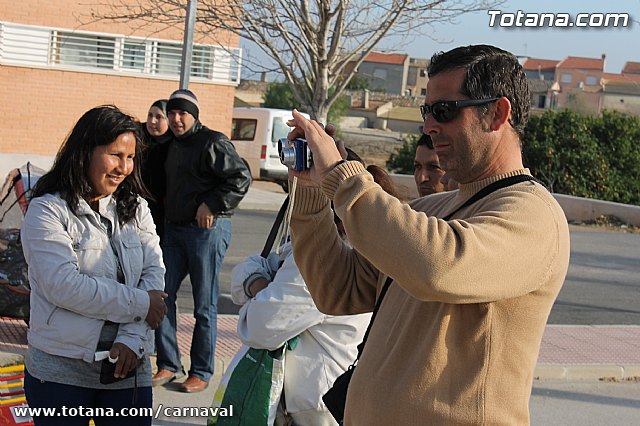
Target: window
x: 167, y: 59
x: 380, y: 73
x: 542, y: 100
x: 243, y: 129
x: 423, y: 92
x: 591, y: 81
x: 566, y: 78
x: 133, y: 54
x: 201, y: 61
x: 423, y: 72
x: 280, y: 129
x: 83, y: 50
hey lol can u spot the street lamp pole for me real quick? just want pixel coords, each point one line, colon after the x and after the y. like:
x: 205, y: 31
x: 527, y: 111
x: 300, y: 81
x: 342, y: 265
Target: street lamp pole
x: 187, y: 44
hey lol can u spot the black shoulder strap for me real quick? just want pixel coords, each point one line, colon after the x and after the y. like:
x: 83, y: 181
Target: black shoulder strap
x: 499, y: 184
x: 386, y: 286
x: 502, y: 183
x: 268, y: 245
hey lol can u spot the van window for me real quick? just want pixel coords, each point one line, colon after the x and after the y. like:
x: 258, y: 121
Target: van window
x: 243, y: 129
x: 280, y: 129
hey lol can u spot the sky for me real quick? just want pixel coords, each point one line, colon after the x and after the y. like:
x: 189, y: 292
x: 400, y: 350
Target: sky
x: 619, y: 44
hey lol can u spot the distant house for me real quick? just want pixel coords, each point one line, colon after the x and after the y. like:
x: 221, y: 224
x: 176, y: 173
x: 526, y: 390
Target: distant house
x: 579, y: 83
x: 541, y: 76
x: 621, y: 92
x: 386, y: 72
x: 632, y: 68
x: 251, y: 92
x: 417, y: 78
x: 540, y: 69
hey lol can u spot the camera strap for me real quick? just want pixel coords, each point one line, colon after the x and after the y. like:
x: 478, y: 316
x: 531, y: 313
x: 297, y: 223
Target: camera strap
x: 268, y: 245
x: 502, y: 183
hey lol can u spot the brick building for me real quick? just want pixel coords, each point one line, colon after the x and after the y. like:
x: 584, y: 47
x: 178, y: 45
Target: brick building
x: 53, y: 68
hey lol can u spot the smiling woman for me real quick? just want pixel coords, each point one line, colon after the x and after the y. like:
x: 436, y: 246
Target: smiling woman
x: 96, y: 275
x: 110, y: 165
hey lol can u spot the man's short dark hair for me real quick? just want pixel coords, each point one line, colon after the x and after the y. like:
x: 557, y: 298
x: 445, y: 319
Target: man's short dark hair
x: 490, y: 72
x: 425, y: 140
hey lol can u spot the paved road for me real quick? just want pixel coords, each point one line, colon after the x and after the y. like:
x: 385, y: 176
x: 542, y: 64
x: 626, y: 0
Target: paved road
x: 585, y: 403
x: 558, y: 403
x: 250, y: 231
x: 602, y: 286
x: 603, y: 282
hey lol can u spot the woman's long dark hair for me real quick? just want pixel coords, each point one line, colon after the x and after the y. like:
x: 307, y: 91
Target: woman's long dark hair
x: 98, y: 126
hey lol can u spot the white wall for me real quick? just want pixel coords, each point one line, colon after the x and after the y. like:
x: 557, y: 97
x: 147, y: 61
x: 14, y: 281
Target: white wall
x: 575, y: 208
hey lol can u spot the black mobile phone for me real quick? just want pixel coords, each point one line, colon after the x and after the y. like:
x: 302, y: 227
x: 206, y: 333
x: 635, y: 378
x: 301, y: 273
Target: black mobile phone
x: 107, y: 373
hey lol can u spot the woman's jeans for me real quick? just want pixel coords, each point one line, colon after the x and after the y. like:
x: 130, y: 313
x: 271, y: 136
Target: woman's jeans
x: 80, y: 404
x: 198, y: 252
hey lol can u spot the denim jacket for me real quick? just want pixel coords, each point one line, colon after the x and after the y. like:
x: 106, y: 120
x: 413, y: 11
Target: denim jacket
x: 71, y: 297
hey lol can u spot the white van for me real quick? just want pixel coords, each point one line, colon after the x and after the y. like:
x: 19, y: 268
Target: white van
x: 255, y: 133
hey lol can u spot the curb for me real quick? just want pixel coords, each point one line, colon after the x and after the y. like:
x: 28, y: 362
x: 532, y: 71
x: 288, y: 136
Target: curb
x: 587, y: 372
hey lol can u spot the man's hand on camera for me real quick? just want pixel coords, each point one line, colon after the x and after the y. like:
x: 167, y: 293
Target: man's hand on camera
x: 321, y: 144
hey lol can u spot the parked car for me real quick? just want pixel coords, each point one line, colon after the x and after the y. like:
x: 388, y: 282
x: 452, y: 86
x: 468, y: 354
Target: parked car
x: 255, y: 133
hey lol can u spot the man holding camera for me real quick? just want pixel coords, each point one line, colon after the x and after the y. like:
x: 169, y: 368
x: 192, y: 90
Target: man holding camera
x: 206, y: 179
x: 475, y: 271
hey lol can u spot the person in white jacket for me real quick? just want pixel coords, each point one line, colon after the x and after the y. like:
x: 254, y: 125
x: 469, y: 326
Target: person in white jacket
x: 277, y: 307
x: 96, y: 276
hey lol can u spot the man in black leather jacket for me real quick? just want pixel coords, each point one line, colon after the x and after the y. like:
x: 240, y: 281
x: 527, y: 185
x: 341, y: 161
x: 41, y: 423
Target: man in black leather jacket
x: 206, y: 179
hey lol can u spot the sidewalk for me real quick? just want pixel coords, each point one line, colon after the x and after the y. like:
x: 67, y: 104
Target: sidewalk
x: 567, y: 353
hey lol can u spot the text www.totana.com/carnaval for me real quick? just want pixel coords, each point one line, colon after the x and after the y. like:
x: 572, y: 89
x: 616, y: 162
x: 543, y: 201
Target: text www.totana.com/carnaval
x: 26, y: 412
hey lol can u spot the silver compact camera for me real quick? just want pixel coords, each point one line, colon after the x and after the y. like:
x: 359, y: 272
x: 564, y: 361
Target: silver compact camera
x: 295, y: 154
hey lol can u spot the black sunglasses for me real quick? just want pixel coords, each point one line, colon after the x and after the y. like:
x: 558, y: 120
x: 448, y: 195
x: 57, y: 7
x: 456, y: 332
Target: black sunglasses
x: 444, y: 111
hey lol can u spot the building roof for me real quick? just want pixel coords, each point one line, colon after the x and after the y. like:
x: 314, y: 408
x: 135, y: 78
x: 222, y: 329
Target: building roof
x: 575, y: 62
x: 622, y: 88
x: 386, y: 58
x: 539, y: 86
x: 621, y: 78
x: 631, y: 68
x: 624, y: 84
x: 534, y: 64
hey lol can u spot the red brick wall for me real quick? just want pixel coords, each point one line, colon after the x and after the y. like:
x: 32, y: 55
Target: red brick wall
x: 40, y: 106
x: 75, y: 14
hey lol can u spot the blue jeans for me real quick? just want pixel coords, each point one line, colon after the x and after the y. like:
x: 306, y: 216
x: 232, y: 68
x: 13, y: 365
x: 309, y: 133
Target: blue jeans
x: 198, y: 252
x: 56, y: 395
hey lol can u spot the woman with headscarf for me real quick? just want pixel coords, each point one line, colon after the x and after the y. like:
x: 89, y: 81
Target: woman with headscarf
x: 157, y: 138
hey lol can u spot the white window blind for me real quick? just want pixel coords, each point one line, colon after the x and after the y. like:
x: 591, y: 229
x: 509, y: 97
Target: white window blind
x: 77, y: 50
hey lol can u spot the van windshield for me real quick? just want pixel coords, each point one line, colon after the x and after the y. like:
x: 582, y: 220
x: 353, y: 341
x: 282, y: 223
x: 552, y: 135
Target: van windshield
x: 280, y: 129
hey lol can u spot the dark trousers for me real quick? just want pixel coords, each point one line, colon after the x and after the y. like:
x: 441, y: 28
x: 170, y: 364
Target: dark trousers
x: 41, y: 394
x: 198, y: 252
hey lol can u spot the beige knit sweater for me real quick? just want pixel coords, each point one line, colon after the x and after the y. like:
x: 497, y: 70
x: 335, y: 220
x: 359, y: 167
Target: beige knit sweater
x: 458, y: 334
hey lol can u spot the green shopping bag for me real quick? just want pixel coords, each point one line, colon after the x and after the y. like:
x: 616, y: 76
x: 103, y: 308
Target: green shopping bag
x: 250, y: 389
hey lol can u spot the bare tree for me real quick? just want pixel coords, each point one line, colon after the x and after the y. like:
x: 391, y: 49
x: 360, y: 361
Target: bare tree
x: 317, y: 46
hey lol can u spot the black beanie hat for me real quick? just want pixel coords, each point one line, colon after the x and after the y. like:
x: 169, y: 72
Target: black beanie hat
x: 184, y: 100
